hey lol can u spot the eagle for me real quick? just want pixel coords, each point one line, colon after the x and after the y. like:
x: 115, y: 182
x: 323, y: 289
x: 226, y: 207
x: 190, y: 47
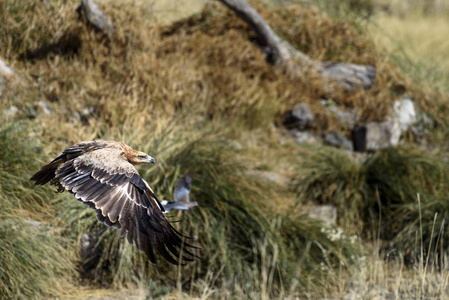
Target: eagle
x: 101, y: 174
x: 181, y: 195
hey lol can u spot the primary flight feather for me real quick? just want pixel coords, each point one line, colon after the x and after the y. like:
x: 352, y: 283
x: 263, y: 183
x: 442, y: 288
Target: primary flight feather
x: 102, y: 175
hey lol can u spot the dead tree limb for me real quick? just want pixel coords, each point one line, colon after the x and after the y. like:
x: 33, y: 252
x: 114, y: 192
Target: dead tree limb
x: 95, y: 17
x: 334, y: 76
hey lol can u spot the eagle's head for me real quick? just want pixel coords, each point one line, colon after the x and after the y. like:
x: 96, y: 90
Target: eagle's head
x: 137, y: 157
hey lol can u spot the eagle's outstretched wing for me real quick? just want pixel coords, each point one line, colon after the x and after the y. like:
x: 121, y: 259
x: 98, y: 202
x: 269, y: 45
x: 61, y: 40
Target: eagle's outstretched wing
x: 106, y: 182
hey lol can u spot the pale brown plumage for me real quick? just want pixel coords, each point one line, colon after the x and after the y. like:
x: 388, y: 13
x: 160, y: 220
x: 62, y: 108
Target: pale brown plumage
x: 102, y: 175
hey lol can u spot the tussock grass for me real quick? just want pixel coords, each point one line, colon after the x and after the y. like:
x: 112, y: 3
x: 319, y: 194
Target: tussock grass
x: 33, y: 257
x: 331, y: 176
x: 199, y: 96
x: 34, y: 263
x: 376, y: 195
x: 18, y: 159
x: 242, y: 242
x: 386, y: 275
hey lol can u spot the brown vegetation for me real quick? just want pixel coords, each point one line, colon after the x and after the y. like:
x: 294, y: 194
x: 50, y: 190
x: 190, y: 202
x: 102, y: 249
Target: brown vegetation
x: 200, y: 95
x: 191, y: 62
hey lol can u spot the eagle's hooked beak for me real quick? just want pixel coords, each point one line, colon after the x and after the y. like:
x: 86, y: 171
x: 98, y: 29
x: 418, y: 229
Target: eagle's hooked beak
x: 150, y: 160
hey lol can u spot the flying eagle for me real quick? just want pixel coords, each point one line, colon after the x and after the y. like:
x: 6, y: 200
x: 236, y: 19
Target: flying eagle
x: 101, y: 174
x: 181, y: 195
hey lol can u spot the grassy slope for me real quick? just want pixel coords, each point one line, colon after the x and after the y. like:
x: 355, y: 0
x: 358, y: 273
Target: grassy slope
x: 214, y: 114
x: 421, y: 38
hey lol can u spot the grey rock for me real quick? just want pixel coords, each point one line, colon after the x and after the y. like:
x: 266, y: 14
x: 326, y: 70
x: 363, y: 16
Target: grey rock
x: 337, y: 140
x: 5, y: 70
x: 88, y: 242
x: 376, y: 135
x: 42, y: 107
x: 405, y: 113
x: 11, y: 112
x: 83, y: 116
x: 6, y: 73
x: 299, y: 117
x: 347, y: 118
x: 325, y: 213
x: 271, y: 177
x: 89, y: 252
x: 96, y: 17
x: 304, y: 137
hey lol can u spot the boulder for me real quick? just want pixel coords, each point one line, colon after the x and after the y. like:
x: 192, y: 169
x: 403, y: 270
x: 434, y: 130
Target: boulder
x: 304, y: 137
x: 405, y: 113
x: 6, y: 74
x: 43, y: 107
x: 83, y: 116
x: 95, y: 17
x: 89, y: 252
x: 299, y: 117
x: 325, y: 213
x: 376, y: 135
x: 337, y: 140
x: 11, y: 112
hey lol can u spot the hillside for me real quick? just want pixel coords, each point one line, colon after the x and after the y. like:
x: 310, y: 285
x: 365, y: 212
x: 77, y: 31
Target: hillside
x: 198, y: 94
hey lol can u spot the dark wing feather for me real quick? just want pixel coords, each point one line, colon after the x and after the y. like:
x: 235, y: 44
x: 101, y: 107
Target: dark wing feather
x: 122, y: 199
x: 47, y: 173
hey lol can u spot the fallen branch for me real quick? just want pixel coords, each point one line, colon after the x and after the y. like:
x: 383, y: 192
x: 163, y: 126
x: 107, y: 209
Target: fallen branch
x: 334, y: 76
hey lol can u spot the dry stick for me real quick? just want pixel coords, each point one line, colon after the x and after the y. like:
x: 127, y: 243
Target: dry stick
x: 334, y: 76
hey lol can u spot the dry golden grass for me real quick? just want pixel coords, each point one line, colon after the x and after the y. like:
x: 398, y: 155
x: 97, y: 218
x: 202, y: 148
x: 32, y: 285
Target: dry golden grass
x: 205, y: 73
x: 422, y: 38
x: 190, y: 63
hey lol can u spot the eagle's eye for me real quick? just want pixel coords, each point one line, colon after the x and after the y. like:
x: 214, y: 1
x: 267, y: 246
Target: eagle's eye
x: 142, y: 156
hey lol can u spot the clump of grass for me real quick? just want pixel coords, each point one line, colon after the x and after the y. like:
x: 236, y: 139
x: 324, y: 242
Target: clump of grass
x: 389, y: 275
x: 32, y: 255
x: 18, y: 160
x: 396, y: 176
x: 379, y: 189
x: 20, y: 36
x: 34, y: 263
x: 331, y: 176
x: 242, y: 241
x: 146, y: 78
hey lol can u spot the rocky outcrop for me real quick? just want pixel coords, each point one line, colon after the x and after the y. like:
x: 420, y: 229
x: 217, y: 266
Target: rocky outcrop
x: 371, y: 136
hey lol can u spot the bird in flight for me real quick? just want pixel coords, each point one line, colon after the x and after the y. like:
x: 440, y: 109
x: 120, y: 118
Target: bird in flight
x: 101, y: 174
x: 181, y: 195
